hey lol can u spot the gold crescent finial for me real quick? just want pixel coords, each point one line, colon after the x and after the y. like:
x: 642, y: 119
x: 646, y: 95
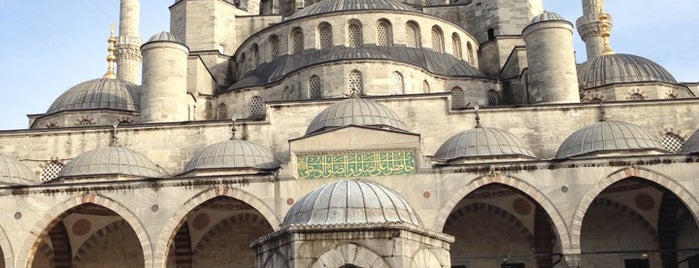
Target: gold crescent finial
x: 111, y: 59
x: 605, y: 29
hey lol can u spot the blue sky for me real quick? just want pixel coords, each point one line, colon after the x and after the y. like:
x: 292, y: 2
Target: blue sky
x: 50, y: 46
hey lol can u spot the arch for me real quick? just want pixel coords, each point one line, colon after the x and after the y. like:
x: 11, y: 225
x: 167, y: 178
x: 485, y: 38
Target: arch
x: 471, y: 56
x: 96, y: 236
x: 355, y: 81
x: 397, y: 83
x: 257, y: 107
x: 221, y: 111
x: 214, y: 231
x: 169, y: 230
x: 412, y: 34
x: 492, y: 97
x: 6, y: 248
x: 315, y: 87
x: 26, y: 254
x: 626, y: 173
x: 325, y: 35
x: 424, y: 258
x: 354, y: 34
x: 349, y: 253
x: 457, y: 98
x: 296, y: 40
x: 437, y: 39
x: 273, y: 46
x: 456, y: 46
x: 672, y: 142
x: 384, y: 33
x: 255, y: 51
x: 556, y: 219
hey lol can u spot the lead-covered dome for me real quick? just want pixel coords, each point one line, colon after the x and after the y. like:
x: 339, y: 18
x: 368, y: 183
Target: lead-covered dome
x: 483, y: 142
x: 103, y: 93
x: 621, y: 68
x: 163, y: 37
x: 355, y: 111
x: 608, y: 137
x: 330, y: 6
x: 110, y: 160
x: 12, y: 172
x: 547, y: 16
x: 692, y: 144
x: 232, y: 154
x: 350, y: 202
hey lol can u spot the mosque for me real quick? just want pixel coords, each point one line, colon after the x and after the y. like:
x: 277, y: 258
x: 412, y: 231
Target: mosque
x: 359, y: 133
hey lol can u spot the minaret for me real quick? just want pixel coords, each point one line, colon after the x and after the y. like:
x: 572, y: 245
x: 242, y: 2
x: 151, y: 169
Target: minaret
x: 128, y: 43
x: 589, y: 27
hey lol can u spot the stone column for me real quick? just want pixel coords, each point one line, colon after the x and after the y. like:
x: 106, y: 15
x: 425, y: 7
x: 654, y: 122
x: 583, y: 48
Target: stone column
x: 589, y: 27
x: 128, y: 43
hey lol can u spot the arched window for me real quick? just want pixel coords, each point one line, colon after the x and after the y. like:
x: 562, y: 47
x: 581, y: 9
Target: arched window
x: 257, y: 108
x: 672, y: 142
x: 221, y: 111
x: 492, y: 97
x: 241, y: 64
x: 355, y: 82
x: 325, y: 36
x: 384, y: 33
x: 314, y: 89
x: 471, y: 56
x: 425, y: 86
x: 255, y: 51
x: 456, y: 46
x: 437, y: 39
x: 354, y: 35
x: 274, y: 46
x: 457, y: 98
x: 412, y: 34
x: 296, y: 40
x: 397, y: 83
x: 51, y: 171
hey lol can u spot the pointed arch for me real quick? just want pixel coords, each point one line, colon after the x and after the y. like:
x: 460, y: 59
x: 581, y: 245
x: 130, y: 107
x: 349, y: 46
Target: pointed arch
x: 352, y: 254
x: 41, y: 228
x: 456, y: 46
x: 556, y: 219
x: 626, y: 173
x: 296, y: 41
x: 384, y: 33
x: 412, y: 34
x: 437, y: 39
x: 169, y: 230
x: 354, y: 34
x: 325, y: 35
x: 7, y: 252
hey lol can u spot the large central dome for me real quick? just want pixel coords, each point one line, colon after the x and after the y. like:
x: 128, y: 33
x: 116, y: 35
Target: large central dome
x: 350, y: 5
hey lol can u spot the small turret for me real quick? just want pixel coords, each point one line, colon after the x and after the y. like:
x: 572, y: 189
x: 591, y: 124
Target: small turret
x: 164, y: 90
x: 551, y: 58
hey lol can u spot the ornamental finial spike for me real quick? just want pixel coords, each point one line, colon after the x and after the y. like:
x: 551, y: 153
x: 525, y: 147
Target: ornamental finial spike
x: 478, y: 117
x: 115, y: 140
x: 602, y: 112
x: 111, y: 58
x: 233, y: 129
x: 605, y: 29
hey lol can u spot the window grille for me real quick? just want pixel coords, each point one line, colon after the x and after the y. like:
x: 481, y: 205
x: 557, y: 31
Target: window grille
x: 672, y: 142
x: 354, y: 82
x: 384, y: 34
x: 325, y: 36
x: 297, y: 41
x: 354, y: 35
x: 456, y: 46
x: 457, y: 98
x: 51, y: 171
x: 412, y: 35
x: 437, y: 39
x: 257, y: 107
x: 221, y: 111
x: 397, y: 83
x: 492, y: 97
x: 274, y: 46
x: 314, y: 90
x: 84, y: 122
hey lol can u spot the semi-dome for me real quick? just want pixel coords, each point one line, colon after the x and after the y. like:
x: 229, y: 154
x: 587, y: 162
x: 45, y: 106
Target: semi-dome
x: 163, y: 36
x: 621, y: 68
x: 12, y: 172
x: 330, y: 6
x: 355, y: 111
x: 608, y: 137
x: 483, y: 142
x: 110, y: 160
x: 350, y: 202
x: 232, y: 154
x: 547, y: 16
x: 692, y: 144
x: 103, y: 93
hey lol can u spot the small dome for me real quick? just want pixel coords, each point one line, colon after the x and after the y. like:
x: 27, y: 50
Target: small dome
x: 163, y: 36
x: 350, y: 201
x: 329, y: 6
x: 483, y: 142
x: 607, y: 136
x: 692, y: 144
x: 12, y: 172
x: 110, y: 160
x: 355, y: 111
x: 100, y: 93
x: 547, y: 16
x: 621, y: 68
x: 232, y: 154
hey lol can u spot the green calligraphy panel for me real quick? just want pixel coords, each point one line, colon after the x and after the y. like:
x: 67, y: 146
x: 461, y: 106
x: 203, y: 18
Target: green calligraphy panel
x: 385, y: 163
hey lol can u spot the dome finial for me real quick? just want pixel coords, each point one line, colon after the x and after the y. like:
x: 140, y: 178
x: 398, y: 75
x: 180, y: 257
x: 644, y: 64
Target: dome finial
x: 111, y: 59
x: 233, y: 129
x: 115, y: 139
x: 478, y: 117
x: 605, y: 31
x: 602, y: 112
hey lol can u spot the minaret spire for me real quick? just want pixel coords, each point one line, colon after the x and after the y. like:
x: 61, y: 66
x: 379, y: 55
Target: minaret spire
x: 605, y: 31
x: 111, y: 59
